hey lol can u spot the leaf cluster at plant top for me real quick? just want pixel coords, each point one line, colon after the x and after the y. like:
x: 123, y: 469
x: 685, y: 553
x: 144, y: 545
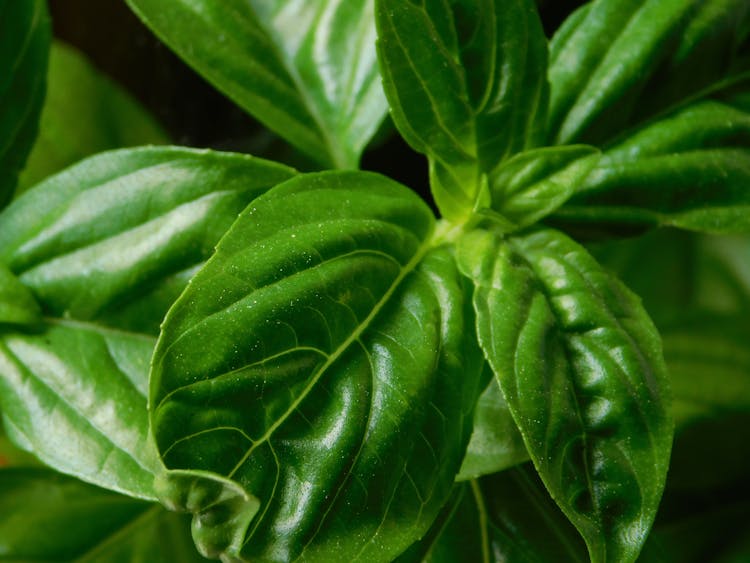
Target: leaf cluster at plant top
x: 312, y: 365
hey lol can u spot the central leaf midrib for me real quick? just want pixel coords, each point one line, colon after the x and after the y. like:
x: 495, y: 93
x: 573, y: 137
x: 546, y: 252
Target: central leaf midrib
x: 338, y: 352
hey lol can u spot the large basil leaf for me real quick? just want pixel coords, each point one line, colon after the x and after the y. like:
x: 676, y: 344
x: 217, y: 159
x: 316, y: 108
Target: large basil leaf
x: 52, y: 518
x: 689, y: 170
x: 616, y: 63
x: 11, y: 455
x: 466, y: 84
x: 504, y: 517
x: 24, y: 46
x: 495, y: 442
x: 306, y: 70
x: 106, y: 247
x: 323, y: 360
x: 580, y: 365
x: 84, y: 113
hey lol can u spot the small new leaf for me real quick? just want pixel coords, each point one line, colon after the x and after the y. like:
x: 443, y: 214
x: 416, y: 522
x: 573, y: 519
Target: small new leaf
x: 466, y: 84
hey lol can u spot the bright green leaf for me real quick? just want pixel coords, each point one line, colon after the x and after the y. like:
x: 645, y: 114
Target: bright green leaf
x: 617, y: 63
x: 324, y: 360
x: 17, y: 304
x: 24, y: 47
x: 495, y: 442
x: 689, y: 170
x: 51, y: 518
x: 115, y: 238
x: 580, y: 365
x: 534, y: 183
x: 467, y: 86
x: 306, y: 70
x: 84, y: 113
x: 75, y: 396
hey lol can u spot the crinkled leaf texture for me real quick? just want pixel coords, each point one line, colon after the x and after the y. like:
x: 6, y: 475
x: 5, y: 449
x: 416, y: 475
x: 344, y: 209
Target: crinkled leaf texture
x: 690, y: 169
x: 105, y: 248
x: 500, y: 518
x: 324, y: 360
x: 580, y: 365
x: 467, y: 86
x: 306, y: 69
x: 24, y: 48
x: 52, y: 518
x: 81, y: 99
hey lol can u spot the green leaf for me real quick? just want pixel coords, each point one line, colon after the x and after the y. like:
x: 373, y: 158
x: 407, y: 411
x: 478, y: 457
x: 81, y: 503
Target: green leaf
x: 535, y: 183
x: 495, y: 442
x: 24, y: 47
x: 323, y: 360
x: 106, y: 247
x: 618, y: 63
x: 82, y: 100
x: 466, y: 84
x: 11, y: 455
x: 503, y: 517
x: 52, y: 518
x: 75, y: 396
x: 17, y: 304
x: 689, y: 170
x: 115, y: 238
x: 306, y: 70
x: 580, y: 365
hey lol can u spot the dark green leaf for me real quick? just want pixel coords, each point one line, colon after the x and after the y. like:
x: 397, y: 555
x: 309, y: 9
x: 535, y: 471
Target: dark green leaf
x: 11, y: 455
x: 106, y: 247
x: 581, y: 367
x: 467, y: 86
x: 51, y: 518
x: 84, y: 113
x: 617, y: 63
x: 534, y: 183
x: 324, y: 361
x: 495, y: 442
x: 17, y: 304
x: 507, y: 517
x: 24, y: 47
x: 689, y: 170
x: 306, y: 70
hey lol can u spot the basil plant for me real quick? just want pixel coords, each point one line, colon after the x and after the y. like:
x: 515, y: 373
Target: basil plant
x: 213, y: 355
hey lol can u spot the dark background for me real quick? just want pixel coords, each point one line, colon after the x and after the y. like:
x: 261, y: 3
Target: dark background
x: 190, y: 109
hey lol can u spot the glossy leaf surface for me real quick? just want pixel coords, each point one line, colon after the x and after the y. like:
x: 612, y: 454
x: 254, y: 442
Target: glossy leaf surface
x: 495, y: 442
x: 52, y: 518
x: 322, y: 359
x: 24, y: 46
x: 508, y: 516
x: 689, y: 170
x: 114, y: 238
x: 305, y: 69
x: 75, y: 396
x: 580, y: 365
x: 617, y: 63
x: 534, y: 183
x: 81, y: 99
x: 466, y: 84
x: 106, y: 247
